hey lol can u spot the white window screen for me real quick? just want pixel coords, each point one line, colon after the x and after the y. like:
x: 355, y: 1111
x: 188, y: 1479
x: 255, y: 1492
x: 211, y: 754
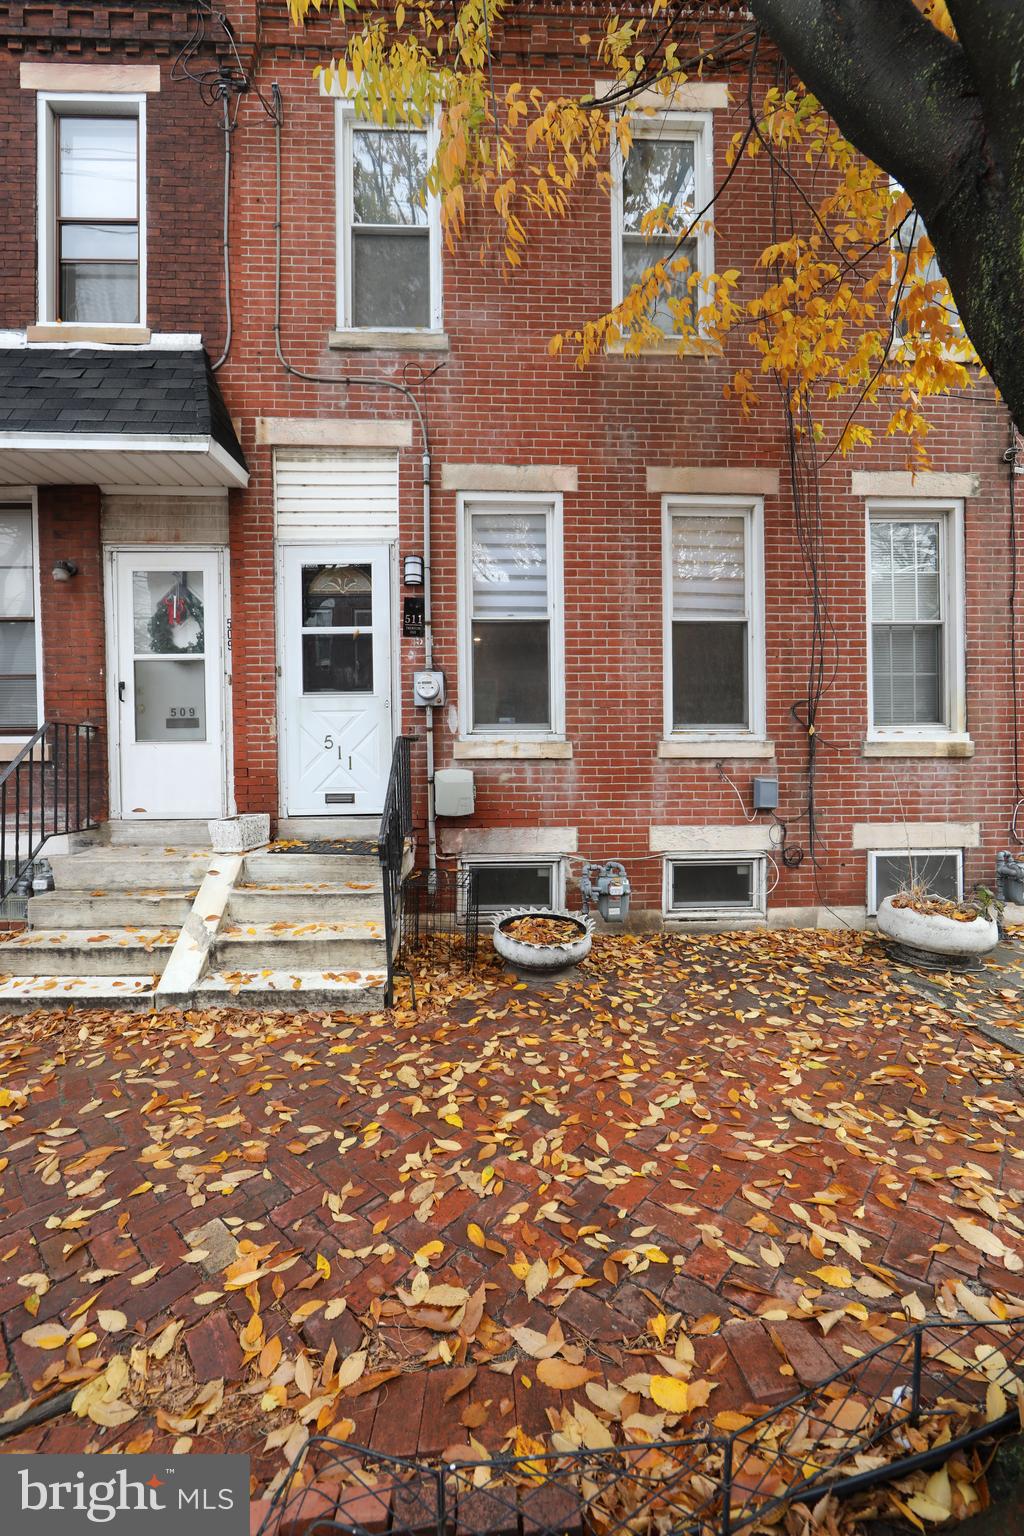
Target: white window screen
x: 659, y: 177
x: 18, y: 696
x: 710, y: 622
x: 510, y: 617
x: 907, y: 622
x: 390, y: 234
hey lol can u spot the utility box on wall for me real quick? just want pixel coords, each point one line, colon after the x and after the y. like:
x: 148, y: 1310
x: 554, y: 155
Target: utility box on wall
x: 454, y: 792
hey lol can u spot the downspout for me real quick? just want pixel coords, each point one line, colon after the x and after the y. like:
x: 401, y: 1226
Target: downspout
x: 369, y: 383
x: 228, y: 131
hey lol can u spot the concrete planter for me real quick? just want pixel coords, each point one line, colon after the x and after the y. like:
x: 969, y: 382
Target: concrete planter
x: 542, y: 958
x: 937, y: 935
x: 237, y: 834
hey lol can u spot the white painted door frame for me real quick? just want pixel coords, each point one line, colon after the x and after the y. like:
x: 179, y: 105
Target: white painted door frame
x: 291, y: 555
x: 169, y: 556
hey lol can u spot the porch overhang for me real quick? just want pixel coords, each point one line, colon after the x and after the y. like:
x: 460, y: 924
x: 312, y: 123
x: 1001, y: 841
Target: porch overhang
x: 145, y: 419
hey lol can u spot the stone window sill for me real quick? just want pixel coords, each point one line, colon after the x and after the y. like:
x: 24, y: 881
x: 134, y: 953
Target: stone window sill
x: 672, y: 346
x: 500, y: 750
x: 716, y: 746
x: 388, y: 341
x: 108, y: 335
x: 918, y: 746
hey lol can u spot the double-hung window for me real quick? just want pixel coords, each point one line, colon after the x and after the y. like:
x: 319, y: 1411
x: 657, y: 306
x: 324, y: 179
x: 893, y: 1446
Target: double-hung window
x: 714, y: 618
x: 658, y: 190
x: 389, y: 228
x: 92, y: 229
x: 915, y: 619
x: 511, y: 606
x: 19, y: 637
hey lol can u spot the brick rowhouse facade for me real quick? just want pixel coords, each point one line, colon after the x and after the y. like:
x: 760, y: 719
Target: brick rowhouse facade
x: 499, y: 399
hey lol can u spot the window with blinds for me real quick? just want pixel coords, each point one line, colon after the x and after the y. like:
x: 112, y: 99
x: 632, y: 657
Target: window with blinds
x: 18, y: 640
x: 510, y: 610
x: 908, y: 630
x: 710, y: 621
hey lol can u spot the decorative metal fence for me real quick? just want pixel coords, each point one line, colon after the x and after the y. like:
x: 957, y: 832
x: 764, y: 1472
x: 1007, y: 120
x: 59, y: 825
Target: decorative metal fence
x: 52, y: 786
x: 906, y: 1405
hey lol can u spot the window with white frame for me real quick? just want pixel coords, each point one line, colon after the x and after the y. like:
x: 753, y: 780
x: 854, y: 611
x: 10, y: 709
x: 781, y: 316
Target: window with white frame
x: 707, y: 886
x: 495, y: 885
x: 915, y: 618
x: 19, y: 635
x: 939, y: 871
x: 511, y: 603
x: 714, y: 617
x: 658, y: 189
x: 92, y: 210
x: 906, y: 241
x: 389, y: 228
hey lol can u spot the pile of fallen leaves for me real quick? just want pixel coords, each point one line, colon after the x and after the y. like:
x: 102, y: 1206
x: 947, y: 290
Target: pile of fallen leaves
x: 541, y: 930
x: 936, y: 906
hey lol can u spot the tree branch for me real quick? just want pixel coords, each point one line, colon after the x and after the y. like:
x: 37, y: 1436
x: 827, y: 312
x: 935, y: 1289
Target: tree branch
x: 991, y: 34
x: 898, y: 88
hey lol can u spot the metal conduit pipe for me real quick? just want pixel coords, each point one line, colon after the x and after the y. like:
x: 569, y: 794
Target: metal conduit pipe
x: 225, y: 238
x: 370, y: 383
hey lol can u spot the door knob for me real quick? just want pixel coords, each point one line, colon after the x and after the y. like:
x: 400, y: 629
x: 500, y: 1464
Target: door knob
x: 120, y: 692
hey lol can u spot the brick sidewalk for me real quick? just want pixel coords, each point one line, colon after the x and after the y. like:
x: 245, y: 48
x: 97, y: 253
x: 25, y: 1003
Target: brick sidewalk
x: 742, y: 1156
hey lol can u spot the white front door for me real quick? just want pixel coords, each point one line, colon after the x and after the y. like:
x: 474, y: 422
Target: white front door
x: 167, y: 682
x: 336, y: 678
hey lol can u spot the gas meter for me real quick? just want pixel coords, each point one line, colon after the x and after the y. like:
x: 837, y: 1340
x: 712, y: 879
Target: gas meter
x: 607, y: 886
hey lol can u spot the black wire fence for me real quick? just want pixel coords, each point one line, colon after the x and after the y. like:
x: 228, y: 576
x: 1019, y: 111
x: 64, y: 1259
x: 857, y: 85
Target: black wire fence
x: 440, y: 915
x: 907, y: 1405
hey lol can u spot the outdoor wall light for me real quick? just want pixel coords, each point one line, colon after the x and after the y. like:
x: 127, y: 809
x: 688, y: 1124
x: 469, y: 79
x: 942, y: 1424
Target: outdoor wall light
x: 64, y: 570
x: 412, y: 570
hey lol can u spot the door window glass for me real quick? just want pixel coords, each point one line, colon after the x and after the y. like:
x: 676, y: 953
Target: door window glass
x: 168, y: 627
x: 170, y: 699
x: 167, y: 613
x: 337, y: 629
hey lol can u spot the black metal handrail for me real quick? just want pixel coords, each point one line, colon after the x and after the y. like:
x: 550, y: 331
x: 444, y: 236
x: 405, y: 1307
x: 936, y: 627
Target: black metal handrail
x: 45, y: 791
x: 392, y: 842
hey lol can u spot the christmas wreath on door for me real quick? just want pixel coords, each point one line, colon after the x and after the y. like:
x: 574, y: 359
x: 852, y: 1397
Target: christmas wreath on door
x: 177, y: 623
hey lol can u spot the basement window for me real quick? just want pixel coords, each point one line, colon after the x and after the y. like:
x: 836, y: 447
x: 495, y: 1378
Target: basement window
x: 495, y: 886
x: 939, y: 870
x: 722, y: 886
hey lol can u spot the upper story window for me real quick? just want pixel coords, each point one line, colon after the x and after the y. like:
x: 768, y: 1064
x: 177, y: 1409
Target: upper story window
x: 92, y: 210
x: 668, y: 174
x: 714, y: 619
x: 512, y: 673
x: 389, y: 229
x: 19, y: 637
x: 915, y: 615
x: 906, y: 241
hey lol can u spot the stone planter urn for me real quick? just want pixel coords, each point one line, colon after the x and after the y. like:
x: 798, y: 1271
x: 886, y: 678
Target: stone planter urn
x: 936, y: 936
x: 543, y: 958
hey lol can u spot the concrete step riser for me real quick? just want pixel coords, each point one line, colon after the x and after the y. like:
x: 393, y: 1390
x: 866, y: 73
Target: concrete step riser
x: 81, y: 960
x: 299, y: 868
x: 218, y: 993
x: 157, y: 834
x: 57, y: 910
x: 296, y: 906
x: 116, y: 871
x: 312, y: 827
x: 298, y: 955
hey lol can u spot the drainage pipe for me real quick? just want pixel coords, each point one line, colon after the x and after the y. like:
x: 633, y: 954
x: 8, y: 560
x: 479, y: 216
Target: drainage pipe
x: 369, y: 383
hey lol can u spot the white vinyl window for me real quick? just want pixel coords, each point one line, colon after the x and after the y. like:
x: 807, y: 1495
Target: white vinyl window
x: 915, y: 619
x: 668, y: 172
x: 389, y: 249
x: 719, y: 886
x: 20, y: 670
x: 938, y: 870
x: 496, y: 884
x: 714, y: 617
x: 511, y: 607
x: 92, y: 218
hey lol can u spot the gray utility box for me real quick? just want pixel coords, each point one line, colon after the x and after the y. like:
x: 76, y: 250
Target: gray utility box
x: 454, y: 792
x: 766, y: 793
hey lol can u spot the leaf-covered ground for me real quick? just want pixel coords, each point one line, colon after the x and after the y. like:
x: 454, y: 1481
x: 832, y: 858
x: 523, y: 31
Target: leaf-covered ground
x: 697, y: 1174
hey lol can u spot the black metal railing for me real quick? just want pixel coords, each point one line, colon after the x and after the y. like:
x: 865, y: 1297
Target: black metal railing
x: 47, y: 790
x: 902, y: 1408
x: 393, y: 840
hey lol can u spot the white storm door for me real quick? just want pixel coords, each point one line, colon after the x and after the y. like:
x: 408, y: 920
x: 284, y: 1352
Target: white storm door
x: 168, y: 682
x: 336, y: 670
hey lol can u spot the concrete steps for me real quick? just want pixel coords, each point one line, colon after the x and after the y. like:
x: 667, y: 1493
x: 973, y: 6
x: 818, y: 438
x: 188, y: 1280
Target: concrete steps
x: 98, y: 870
x: 303, y: 946
x: 121, y: 909
x: 347, y: 992
x: 86, y: 952
x: 310, y: 869
x: 270, y: 904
